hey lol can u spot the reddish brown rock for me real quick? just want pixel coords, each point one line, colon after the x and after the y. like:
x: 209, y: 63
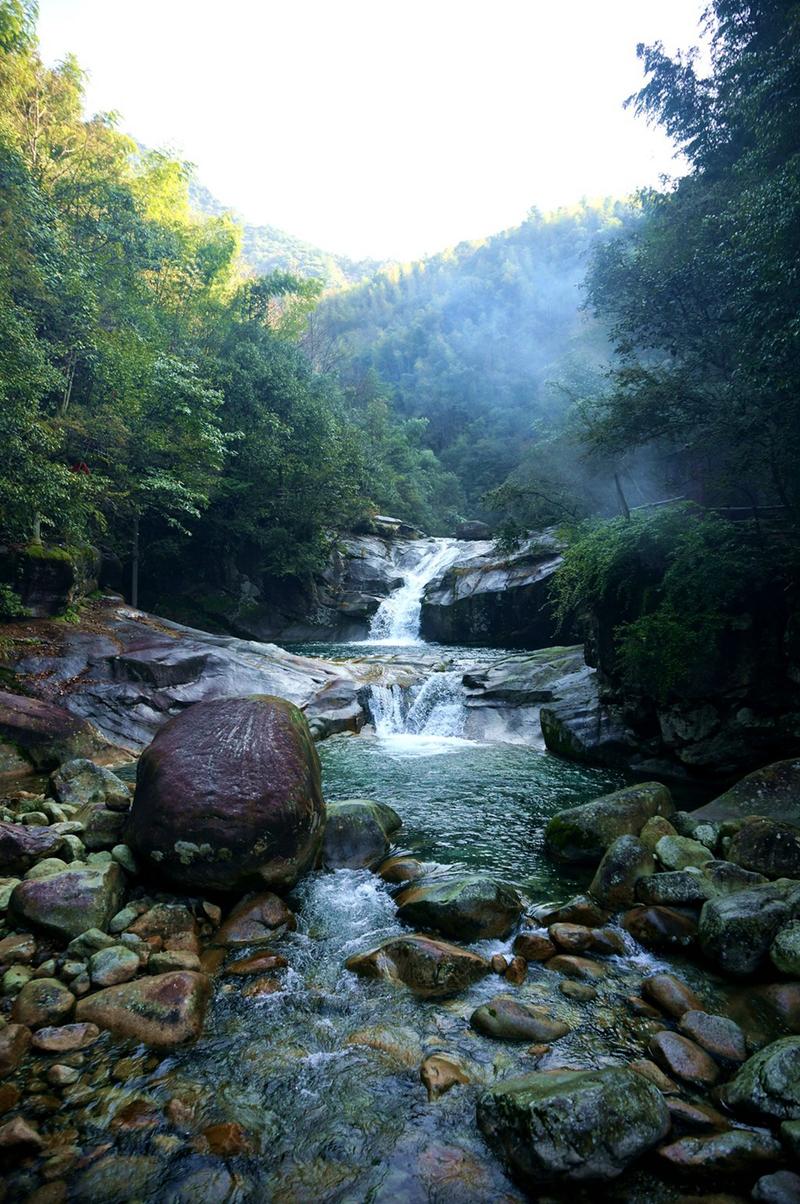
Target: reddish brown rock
x: 48, y: 734
x: 259, y: 963
x: 507, y: 1019
x: 660, y: 927
x: 696, y: 1118
x: 498, y: 963
x: 534, y: 946
x: 655, y: 1074
x: 9, y: 1097
x: 255, y: 921
x: 174, y: 924
x: 21, y: 846
x: 263, y: 985
x: 402, y: 869
x: 161, y: 1010
x: 730, y: 1152
x: 15, y: 1040
x: 18, y: 1139
x: 671, y: 994
x: 228, y: 796
x: 42, y: 1001
x: 516, y: 971
x: 576, y: 967
x: 575, y: 938
x: 682, y: 1058
x: 606, y: 941
x: 429, y: 967
x: 440, y: 1072
x: 227, y: 1139
x: 19, y: 949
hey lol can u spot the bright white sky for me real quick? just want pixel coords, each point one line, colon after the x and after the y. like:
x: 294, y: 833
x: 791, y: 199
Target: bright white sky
x: 390, y: 128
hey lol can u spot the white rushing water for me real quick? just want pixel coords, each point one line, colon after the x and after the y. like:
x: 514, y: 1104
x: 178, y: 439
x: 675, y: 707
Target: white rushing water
x: 433, y: 714
x: 396, y: 621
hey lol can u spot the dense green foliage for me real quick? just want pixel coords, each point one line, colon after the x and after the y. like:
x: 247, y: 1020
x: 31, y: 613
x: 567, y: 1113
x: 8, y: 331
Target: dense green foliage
x: 152, y: 395
x: 486, y: 342
x: 703, y: 295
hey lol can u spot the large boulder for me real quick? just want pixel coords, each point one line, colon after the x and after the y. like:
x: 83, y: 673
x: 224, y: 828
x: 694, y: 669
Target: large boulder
x: 574, y: 1125
x: 773, y: 791
x: 580, y: 726
x: 767, y: 847
x: 68, y: 903
x: 356, y: 835
x: 767, y: 1087
x: 47, y: 578
x: 430, y: 968
x: 228, y: 796
x: 161, y: 1010
x: 736, y: 931
x: 490, y: 599
x: 467, y: 907
x: 583, y: 833
x: 21, y: 846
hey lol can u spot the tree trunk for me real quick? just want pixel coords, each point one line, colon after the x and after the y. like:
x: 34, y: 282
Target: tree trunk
x: 623, y: 504
x: 135, y: 565
x: 36, y: 529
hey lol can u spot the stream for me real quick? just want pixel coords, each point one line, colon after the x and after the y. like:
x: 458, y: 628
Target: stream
x: 324, y: 1073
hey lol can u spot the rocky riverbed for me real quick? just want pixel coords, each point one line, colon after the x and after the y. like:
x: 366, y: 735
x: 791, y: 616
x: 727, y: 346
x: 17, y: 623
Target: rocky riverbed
x: 190, y: 1011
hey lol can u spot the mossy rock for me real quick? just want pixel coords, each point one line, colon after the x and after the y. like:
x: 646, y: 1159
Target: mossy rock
x: 583, y: 833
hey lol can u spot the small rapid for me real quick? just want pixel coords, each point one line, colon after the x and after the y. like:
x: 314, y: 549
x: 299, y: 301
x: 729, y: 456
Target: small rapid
x: 434, y: 710
x: 396, y: 620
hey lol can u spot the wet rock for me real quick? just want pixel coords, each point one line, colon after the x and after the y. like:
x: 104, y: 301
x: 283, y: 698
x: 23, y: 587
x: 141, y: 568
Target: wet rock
x: 41, y: 1002
x: 257, y: 920
x: 401, y: 1044
x: 534, y: 946
x: 228, y: 796
x: 60, y: 1075
x: 498, y: 963
x: 582, y: 992
x: 429, y: 967
x: 768, y: 1085
x: 572, y: 1126
x: 22, y: 846
x: 576, y: 967
x: 80, y: 782
x: 679, y: 852
x: 781, y: 1187
x: 573, y: 938
x: 653, y: 830
x: 785, y: 949
x: 161, y: 1010
x: 169, y: 925
x: 721, y: 1153
x: 583, y: 833
x: 676, y: 888
x: 355, y: 835
x: 507, y: 1019
x: 65, y: 1038
x: 773, y: 792
x: 736, y: 931
x: 660, y: 927
x: 625, y: 862
x: 790, y: 1136
x: 516, y: 971
x: 716, y: 1034
x: 440, y: 1072
x: 607, y: 941
x: 172, y: 959
x: 102, y: 829
x: 655, y: 1075
x: 18, y: 1139
x: 695, y: 1117
x: 259, y: 963
x: 579, y: 910
x: 725, y: 878
x: 110, y: 966
x: 228, y: 1139
x: 118, y: 1179
x: 6, y: 891
x: 682, y: 1058
x: 10, y: 1095
x: 68, y: 903
x: 403, y: 869
x: 15, y: 1040
x: 17, y: 949
x: 45, y: 868
x: 765, y: 846
x: 468, y: 907
x: 46, y: 734
x: 671, y: 995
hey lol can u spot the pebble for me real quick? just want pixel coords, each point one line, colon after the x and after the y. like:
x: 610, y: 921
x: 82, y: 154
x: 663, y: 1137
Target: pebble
x: 576, y: 967
x: 682, y: 1058
x: 580, y: 991
x: 719, y: 1036
x: 534, y: 946
x: 671, y: 994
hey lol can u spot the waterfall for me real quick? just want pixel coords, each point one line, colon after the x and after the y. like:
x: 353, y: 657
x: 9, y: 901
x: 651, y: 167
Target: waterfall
x: 396, y: 621
x: 437, y: 708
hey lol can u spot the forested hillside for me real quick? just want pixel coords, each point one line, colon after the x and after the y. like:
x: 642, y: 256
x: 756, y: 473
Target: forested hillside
x: 268, y: 249
x: 153, y: 397
x: 488, y: 342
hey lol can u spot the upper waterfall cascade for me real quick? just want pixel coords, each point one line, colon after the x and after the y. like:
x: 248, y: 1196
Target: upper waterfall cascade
x: 396, y: 621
